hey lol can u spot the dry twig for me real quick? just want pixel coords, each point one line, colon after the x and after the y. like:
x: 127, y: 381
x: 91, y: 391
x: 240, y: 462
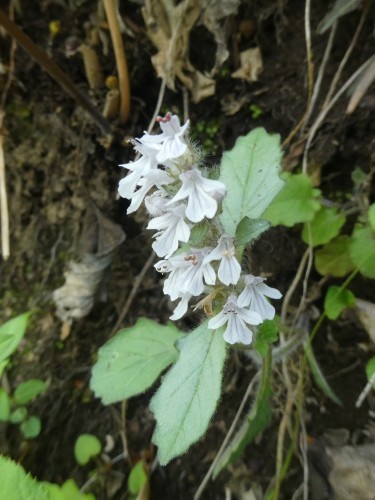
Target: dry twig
x: 111, y: 7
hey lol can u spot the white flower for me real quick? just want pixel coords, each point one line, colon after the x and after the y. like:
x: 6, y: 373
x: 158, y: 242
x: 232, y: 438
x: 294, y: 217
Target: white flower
x: 237, y: 319
x: 229, y: 270
x: 254, y: 295
x: 182, y: 307
x: 188, y: 273
x: 202, y: 195
x: 156, y: 178
x: 172, y: 140
x: 156, y: 202
x: 139, y: 168
x: 172, y: 228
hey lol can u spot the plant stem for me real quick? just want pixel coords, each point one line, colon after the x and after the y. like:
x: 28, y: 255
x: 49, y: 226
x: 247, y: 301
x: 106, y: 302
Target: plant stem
x: 110, y: 7
x: 54, y: 71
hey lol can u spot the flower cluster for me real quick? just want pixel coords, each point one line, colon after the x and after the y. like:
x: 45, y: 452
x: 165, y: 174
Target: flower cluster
x: 184, y: 198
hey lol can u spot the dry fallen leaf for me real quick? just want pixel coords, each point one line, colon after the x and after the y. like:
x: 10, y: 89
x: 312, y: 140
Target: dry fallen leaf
x: 84, y: 278
x: 169, y: 26
x: 251, y: 65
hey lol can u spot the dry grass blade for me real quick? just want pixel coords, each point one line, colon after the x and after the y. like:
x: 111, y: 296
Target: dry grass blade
x: 5, y: 245
x: 363, y: 85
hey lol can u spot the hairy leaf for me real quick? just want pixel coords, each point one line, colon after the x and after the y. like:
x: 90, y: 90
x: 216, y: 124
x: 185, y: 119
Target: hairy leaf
x: 295, y: 203
x: 249, y: 230
x: 15, y: 483
x: 250, y: 171
x: 133, y: 359
x: 188, y: 395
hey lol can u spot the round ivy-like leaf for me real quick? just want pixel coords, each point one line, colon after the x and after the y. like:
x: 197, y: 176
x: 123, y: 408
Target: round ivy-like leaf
x: 86, y: 447
x: 18, y: 415
x: 336, y: 300
x: 324, y: 227
x: 137, y: 478
x: 334, y: 258
x: 362, y: 250
x: 31, y: 427
x: 295, y: 203
x: 29, y: 390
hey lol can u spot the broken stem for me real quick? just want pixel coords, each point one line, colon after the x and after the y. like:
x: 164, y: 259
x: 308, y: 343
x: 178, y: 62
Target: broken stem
x: 110, y: 7
x: 54, y: 71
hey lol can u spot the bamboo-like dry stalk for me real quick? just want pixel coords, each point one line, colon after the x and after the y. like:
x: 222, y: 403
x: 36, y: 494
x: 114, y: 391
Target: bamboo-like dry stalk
x: 110, y: 7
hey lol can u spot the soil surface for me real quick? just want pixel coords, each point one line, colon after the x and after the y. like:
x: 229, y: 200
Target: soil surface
x: 59, y: 166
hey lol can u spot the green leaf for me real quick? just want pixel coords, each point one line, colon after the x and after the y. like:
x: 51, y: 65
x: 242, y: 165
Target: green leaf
x: 255, y: 422
x: 362, y: 250
x: 27, y: 391
x: 337, y: 299
x: 198, y: 233
x: 334, y: 258
x: 371, y: 216
x: 370, y: 369
x: 188, y: 395
x: 86, y: 447
x: 67, y: 491
x: 250, y: 172
x: 340, y: 8
x: 11, y: 334
x: 324, y: 227
x: 250, y: 229
x: 133, y: 359
x: 4, y: 406
x: 31, y: 427
x: 3, y: 365
x: 17, y: 485
x: 265, y: 335
x: 317, y: 374
x: 18, y: 415
x: 295, y: 203
x: 137, y: 478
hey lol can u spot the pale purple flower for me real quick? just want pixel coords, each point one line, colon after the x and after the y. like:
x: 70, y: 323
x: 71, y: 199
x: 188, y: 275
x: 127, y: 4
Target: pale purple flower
x: 173, y: 144
x: 254, y: 295
x: 203, y: 195
x: 156, y: 178
x: 229, y: 269
x: 188, y: 273
x: 182, y: 307
x: 155, y: 203
x: 172, y: 228
x: 237, y: 318
x: 139, y: 169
